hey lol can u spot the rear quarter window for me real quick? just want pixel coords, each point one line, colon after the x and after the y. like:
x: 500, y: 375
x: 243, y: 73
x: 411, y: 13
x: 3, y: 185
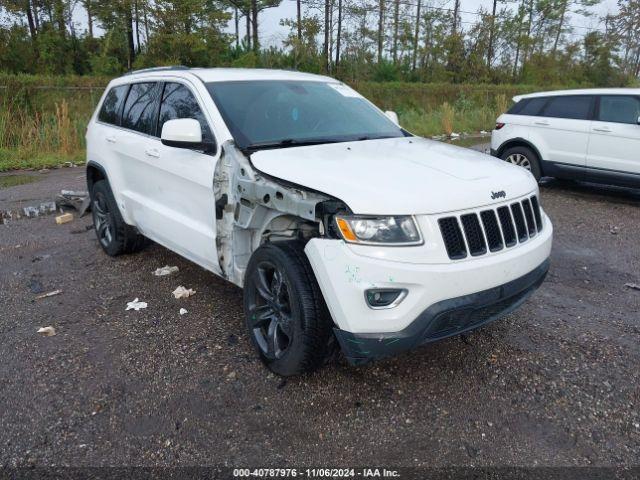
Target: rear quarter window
x: 528, y: 106
x: 111, y: 105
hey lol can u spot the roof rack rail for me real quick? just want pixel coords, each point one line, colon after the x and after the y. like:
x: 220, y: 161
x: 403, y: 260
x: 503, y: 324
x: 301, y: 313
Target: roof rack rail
x: 158, y: 69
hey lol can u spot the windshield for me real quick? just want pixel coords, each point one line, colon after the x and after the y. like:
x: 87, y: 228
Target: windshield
x: 266, y: 113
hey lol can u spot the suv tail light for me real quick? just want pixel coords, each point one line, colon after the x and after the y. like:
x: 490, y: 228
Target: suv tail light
x: 499, y: 126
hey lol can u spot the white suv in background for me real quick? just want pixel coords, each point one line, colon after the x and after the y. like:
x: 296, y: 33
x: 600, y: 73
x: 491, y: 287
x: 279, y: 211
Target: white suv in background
x: 591, y: 135
x: 341, y: 227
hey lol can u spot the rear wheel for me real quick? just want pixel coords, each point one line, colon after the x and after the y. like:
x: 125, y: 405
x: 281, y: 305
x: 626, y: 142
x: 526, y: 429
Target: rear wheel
x: 284, y: 310
x: 523, y: 157
x: 114, y: 235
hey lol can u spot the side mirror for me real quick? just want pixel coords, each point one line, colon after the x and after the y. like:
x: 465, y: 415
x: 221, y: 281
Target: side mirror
x: 393, y: 116
x: 182, y: 133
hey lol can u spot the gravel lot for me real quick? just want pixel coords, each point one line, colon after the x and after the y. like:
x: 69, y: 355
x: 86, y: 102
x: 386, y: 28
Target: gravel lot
x: 556, y: 383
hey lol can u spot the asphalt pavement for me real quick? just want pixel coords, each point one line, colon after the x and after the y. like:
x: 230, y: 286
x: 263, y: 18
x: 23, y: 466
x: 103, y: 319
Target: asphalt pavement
x: 555, y: 383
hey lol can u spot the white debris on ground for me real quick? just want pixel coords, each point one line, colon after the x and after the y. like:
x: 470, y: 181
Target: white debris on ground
x: 182, y: 292
x: 136, y: 305
x: 42, y: 209
x: 183, y: 311
x: 633, y: 286
x: 49, y: 294
x: 166, y: 270
x: 47, y: 331
x: 454, y: 135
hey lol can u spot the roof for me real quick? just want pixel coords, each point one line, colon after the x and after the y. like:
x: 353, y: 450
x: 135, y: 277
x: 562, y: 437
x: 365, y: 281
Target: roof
x: 231, y: 74
x: 583, y: 91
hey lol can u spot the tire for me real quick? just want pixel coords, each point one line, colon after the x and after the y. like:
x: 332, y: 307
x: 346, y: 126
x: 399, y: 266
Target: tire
x: 114, y: 235
x: 523, y: 157
x: 285, y: 313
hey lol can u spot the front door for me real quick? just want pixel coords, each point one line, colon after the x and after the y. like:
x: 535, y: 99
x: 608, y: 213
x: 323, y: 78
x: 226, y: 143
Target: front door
x: 614, y: 145
x: 178, y: 194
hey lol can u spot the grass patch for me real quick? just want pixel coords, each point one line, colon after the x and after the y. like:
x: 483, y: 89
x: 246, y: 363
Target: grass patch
x: 14, y: 159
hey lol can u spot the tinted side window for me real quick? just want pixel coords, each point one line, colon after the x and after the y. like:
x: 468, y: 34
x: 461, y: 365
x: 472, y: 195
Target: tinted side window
x: 577, y: 107
x: 141, y: 108
x: 111, y: 105
x: 531, y: 106
x: 517, y: 107
x: 619, y: 109
x: 179, y: 102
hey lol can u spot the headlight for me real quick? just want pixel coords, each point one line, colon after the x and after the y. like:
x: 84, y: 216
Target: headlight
x: 396, y: 230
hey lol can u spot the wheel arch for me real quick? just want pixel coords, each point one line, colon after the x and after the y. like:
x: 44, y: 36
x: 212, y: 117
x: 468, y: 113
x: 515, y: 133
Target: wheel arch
x: 95, y: 173
x: 521, y: 142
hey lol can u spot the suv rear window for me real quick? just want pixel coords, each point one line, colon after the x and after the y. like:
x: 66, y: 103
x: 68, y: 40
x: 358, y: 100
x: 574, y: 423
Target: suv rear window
x: 111, y: 105
x: 576, y: 107
x: 141, y: 108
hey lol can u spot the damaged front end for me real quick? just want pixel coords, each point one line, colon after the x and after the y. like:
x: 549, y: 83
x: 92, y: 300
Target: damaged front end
x: 252, y: 208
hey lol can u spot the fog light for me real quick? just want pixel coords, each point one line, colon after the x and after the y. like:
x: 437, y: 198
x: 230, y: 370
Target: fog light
x: 384, y: 297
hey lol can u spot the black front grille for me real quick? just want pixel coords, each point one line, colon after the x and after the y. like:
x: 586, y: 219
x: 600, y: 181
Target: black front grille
x: 452, y: 236
x: 528, y: 215
x: 473, y: 232
x: 492, y: 230
x: 508, y: 229
x: 536, y: 212
x: 518, y: 217
x: 519, y: 221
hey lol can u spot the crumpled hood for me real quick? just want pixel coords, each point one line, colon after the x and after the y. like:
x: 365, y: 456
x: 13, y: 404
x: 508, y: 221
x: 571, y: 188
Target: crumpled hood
x: 396, y: 176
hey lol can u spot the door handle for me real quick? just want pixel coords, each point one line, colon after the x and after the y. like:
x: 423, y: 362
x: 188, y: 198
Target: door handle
x: 541, y: 122
x: 110, y: 139
x: 602, y: 129
x: 152, y: 152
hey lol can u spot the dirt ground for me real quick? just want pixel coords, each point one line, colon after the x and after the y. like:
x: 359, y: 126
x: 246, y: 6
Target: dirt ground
x: 555, y: 383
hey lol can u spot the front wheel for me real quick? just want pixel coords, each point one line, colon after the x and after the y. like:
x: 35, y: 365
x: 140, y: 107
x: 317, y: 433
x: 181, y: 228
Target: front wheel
x: 114, y: 235
x: 523, y: 157
x: 284, y: 310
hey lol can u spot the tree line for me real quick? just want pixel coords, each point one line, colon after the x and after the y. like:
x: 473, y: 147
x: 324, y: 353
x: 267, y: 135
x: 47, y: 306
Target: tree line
x: 512, y: 41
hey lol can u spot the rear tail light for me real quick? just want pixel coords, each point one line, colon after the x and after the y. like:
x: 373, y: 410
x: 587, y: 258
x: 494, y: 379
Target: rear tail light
x: 499, y: 126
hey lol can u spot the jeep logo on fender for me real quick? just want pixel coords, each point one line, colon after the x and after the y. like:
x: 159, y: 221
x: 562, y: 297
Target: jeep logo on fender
x: 500, y: 194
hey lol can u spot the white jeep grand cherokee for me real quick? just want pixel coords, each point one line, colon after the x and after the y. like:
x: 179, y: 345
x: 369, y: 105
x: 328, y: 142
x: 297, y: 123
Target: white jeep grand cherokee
x: 337, y: 223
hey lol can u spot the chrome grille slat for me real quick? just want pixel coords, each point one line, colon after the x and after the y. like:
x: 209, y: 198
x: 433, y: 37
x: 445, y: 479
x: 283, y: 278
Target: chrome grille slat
x: 491, y: 230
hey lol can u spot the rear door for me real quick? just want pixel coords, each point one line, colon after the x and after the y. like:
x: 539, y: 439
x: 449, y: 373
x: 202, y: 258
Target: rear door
x: 178, y: 183
x: 102, y: 136
x: 132, y: 143
x: 561, y: 130
x: 615, y: 136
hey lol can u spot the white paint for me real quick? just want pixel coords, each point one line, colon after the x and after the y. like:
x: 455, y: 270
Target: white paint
x: 397, y: 175
x: 171, y: 198
x: 585, y: 144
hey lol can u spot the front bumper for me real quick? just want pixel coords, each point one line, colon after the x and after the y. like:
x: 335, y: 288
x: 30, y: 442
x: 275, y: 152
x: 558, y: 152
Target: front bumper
x: 433, y: 283
x: 443, y: 319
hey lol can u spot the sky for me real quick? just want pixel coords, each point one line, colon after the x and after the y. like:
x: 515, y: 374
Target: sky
x: 273, y: 34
